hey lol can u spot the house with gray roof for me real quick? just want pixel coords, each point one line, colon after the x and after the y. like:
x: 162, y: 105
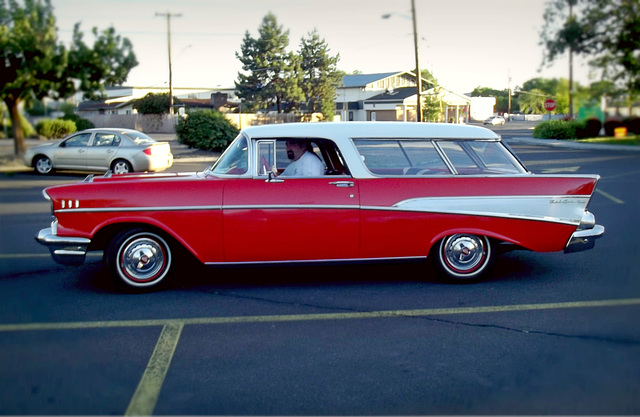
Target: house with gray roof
x: 391, y: 96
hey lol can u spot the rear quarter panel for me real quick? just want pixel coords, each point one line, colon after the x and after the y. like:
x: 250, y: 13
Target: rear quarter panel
x: 405, y: 217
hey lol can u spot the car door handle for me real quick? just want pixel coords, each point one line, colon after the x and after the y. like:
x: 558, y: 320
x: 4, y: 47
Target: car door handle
x: 81, y: 151
x: 342, y: 183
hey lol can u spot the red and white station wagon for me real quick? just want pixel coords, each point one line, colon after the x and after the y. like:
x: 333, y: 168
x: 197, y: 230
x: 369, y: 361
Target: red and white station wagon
x: 327, y: 192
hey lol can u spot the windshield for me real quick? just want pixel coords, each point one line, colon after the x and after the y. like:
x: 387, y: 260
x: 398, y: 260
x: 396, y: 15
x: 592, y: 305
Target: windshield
x: 235, y: 160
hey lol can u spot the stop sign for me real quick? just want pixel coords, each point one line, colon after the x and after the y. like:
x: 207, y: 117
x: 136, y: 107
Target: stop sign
x: 550, y: 104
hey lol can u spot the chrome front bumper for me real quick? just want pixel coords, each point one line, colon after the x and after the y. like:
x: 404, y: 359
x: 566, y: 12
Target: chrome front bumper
x: 64, y: 250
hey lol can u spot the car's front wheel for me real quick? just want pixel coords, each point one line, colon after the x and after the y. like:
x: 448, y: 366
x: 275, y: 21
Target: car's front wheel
x: 464, y: 257
x: 139, y: 260
x: 121, y: 166
x: 43, y: 165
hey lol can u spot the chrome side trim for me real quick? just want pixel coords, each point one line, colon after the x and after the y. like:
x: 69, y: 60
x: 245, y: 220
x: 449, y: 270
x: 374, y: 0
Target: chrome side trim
x: 319, y: 261
x: 116, y: 209
x: 551, y: 208
x: 197, y: 208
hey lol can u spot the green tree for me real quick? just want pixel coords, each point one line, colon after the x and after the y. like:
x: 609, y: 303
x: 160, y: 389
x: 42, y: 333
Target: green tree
x: 532, y: 101
x: 33, y: 64
x: 154, y: 103
x: 604, y: 30
x: 271, y: 72
x: 432, y: 106
x: 502, y: 97
x: 321, y: 76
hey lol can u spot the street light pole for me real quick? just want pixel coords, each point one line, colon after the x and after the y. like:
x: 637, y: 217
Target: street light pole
x: 418, y: 75
x: 168, y: 16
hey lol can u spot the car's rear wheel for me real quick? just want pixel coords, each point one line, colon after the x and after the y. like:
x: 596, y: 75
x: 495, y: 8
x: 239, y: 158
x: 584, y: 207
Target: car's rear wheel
x: 139, y: 260
x: 43, y: 165
x: 120, y: 166
x: 464, y: 257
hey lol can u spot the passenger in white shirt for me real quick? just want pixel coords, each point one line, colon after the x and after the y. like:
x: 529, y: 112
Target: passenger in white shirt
x: 304, y: 162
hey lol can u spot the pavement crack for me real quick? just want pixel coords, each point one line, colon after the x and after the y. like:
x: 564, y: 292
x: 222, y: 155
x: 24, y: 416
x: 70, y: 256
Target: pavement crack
x: 604, y: 339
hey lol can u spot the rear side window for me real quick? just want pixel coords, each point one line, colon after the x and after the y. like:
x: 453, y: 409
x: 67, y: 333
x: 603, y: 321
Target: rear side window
x: 426, y: 157
x: 401, y: 157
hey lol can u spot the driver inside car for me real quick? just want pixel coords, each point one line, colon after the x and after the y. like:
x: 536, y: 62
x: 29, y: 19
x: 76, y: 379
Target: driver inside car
x: 304, y: 163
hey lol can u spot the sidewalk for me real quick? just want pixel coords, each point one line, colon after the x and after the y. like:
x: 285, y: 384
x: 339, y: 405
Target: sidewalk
x: 181, y: 153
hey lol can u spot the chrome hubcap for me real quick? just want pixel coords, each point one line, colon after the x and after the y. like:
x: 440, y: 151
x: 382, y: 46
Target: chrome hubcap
x: 464, y: 253
x: 144, y: 259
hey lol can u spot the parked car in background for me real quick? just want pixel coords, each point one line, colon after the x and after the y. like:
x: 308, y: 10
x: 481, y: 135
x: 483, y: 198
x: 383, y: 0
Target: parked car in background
x: 494, y: 120
x: 119, y: 150
x: 453, y: 194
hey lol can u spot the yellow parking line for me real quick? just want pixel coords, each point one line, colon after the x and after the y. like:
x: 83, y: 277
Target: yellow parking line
x: 146, y: 395
x: 315, y: 317
x: 609, y: 196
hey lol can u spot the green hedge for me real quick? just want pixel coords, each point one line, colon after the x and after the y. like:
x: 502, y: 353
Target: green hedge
x: 56, y: 128
x: 558, y: 129
x: 205, y: 129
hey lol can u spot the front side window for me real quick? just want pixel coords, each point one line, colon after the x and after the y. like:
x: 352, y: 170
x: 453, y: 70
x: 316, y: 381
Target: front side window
x: 77, y: 141
x: 299, y: 157
x: 235, y: 160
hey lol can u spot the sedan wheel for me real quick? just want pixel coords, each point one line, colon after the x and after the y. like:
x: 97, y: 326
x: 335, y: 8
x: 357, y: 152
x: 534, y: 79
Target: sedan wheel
x: 139, y: 260
x: 121, y: 167
x: 464, y: 257
x: 43, y: 165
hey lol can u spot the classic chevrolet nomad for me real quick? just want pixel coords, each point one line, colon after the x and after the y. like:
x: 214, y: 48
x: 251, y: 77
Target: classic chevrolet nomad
x: 374, y: 191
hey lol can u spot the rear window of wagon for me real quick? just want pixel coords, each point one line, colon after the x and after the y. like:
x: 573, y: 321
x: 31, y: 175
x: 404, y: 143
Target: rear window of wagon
x: 427, y: 157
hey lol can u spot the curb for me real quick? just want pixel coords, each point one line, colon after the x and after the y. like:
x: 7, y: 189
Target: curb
x: 571, y: 144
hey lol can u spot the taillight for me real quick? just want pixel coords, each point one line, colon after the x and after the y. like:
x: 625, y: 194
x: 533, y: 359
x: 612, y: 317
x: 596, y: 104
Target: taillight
x: 149, y: 151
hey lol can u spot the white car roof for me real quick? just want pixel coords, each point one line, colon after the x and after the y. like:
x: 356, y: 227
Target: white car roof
x: 337, y: 130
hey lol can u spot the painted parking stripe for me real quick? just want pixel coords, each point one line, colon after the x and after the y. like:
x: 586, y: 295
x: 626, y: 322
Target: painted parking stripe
x: 609, y: 196
x: 316, y: 317
x: 146, y: 395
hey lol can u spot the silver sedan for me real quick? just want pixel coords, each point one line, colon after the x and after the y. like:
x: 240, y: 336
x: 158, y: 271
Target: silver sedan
x: 118, y: 150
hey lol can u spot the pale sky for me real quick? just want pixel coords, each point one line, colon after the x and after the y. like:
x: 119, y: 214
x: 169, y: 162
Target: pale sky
x: 464, y: 43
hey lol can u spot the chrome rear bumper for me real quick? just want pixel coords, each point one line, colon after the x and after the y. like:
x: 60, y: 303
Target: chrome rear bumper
x: 584, y: 239
x: 64, y: 250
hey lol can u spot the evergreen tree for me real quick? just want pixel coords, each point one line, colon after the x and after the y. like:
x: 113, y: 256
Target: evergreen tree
x: 271, y: 72
x: 321, y: 76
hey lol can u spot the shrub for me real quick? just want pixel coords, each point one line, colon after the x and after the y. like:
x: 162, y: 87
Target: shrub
x: 632, y: 125
x: 81, y: 123
x: 557, y: 129
x: 589, y: 129
x: 56, y: 128
x: 205, y: 129
x: 610, y: 126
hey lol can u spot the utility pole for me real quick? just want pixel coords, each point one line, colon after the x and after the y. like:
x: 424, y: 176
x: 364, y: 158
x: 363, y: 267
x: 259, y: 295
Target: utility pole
x: 418, y: 75
x: 570, y: 64
x: 168, y: 16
